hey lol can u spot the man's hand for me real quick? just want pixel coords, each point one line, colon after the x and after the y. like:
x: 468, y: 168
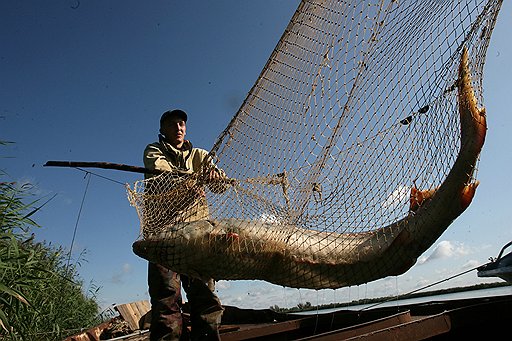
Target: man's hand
x: 217, y: 180
x: 216, y: 175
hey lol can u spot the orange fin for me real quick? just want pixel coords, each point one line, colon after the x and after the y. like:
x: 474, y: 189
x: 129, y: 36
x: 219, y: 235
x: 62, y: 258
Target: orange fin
x: 468, y: 192
x: 418, y: 197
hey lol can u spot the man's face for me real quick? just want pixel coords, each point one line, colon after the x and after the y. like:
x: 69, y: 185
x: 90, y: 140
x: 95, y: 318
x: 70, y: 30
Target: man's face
x: 174, y: 130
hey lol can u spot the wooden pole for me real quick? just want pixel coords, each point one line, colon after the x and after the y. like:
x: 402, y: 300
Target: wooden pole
x: 105, y: 165
x: 122, y: 167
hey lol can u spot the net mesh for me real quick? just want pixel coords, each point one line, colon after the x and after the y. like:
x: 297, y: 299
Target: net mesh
x: 356, y: 113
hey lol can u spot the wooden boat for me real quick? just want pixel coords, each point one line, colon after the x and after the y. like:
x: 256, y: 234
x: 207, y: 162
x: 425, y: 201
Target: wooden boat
x: 474, y: 318
x: 500, y: 267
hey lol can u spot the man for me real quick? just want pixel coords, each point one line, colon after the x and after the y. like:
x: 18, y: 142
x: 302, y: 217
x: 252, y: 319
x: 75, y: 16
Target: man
x: 175, y: 154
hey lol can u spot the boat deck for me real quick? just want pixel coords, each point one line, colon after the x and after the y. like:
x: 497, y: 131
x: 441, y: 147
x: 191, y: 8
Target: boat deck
x: 435, y: 320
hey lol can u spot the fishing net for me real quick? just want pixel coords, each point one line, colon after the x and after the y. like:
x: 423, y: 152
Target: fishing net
x: 355, y: 149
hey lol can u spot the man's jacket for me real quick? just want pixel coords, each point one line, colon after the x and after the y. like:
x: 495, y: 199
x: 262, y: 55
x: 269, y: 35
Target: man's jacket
x: 174, y: 196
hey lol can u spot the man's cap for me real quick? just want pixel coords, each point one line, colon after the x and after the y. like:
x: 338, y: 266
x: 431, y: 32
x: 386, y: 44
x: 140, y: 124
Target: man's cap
x: 173, y: 113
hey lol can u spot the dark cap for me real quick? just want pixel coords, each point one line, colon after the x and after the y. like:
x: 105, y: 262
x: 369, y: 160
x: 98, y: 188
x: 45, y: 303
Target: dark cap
x: 173, y: 113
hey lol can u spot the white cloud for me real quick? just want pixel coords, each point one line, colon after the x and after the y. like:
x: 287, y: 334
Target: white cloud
x: 472, y: 263
x: 445, y: 249
x: 269, y: 218
x: 222, y: 285
x: 127, y: 268
x: 422, y: 282
x: 398, y: 196
x: 421, y: 260
x: 118, y: 277
x: 237, y: 299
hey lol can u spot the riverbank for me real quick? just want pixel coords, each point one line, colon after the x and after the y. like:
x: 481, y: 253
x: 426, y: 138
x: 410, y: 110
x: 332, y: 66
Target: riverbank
x: 307, y: 307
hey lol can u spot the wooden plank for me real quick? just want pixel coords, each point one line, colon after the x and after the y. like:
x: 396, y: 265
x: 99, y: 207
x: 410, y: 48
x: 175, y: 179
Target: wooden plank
x: 265, y: 330
x: 132, y: 312
x: 126, y: 313
x: 363, y: 328
x: 140, y: 307
x: 396, y: 327
x: 419, y: 329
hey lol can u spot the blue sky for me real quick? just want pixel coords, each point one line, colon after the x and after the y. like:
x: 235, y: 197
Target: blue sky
x: 88, y: 81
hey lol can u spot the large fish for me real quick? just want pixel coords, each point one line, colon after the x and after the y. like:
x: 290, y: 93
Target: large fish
x: 295, y: 257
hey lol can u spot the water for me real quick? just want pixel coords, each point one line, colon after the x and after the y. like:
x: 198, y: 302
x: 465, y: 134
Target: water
x: 500, y: 291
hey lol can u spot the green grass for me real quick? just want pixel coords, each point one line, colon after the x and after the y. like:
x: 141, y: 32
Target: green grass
x: 41, y: 296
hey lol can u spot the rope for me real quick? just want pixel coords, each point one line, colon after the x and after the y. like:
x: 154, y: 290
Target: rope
x: 100, y: 176
x: 78, y: 217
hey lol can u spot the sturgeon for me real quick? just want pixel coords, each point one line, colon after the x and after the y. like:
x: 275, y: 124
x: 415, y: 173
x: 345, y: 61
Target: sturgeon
x: 291, y: 256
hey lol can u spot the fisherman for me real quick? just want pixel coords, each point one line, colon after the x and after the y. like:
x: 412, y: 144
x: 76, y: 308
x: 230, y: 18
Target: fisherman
x: 173, y: 153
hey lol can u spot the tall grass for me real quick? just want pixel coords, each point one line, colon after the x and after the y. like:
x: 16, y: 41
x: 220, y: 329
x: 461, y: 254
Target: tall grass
x: 41, y: 297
